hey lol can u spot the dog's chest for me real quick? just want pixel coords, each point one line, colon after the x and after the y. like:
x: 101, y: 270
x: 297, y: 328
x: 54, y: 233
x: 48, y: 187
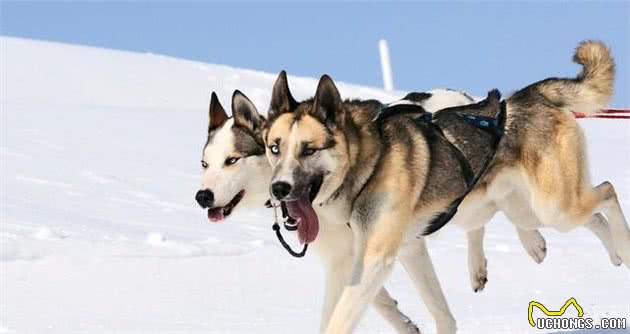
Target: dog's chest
x: 334, y: 212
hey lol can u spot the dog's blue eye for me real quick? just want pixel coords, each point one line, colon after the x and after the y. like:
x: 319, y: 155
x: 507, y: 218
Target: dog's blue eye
x: 274, y: 149
x: 204, y: 164
x: 231, y: 161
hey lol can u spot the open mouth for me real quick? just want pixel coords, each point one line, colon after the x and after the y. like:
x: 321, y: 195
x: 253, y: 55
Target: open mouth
x: 314, y: 188
x: 302, y: 215
x: 218, y: 213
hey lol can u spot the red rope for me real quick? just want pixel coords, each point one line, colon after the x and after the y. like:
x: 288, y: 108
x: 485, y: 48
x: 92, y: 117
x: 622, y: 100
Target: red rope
x: 606, y: 113
x: 616, y: 111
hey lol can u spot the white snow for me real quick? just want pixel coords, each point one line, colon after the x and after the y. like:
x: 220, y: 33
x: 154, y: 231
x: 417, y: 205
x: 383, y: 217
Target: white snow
x: 155, y: 239
x: 46, y: 233
x: 100, y: 233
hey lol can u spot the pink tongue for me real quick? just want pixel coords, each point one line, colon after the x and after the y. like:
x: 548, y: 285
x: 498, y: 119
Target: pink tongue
x: 215, y: 214
x: 307, y: 221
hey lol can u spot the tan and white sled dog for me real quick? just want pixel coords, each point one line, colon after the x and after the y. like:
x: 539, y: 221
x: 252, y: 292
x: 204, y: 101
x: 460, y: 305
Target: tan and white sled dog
x: 389, y: 176
x: 236, y: 174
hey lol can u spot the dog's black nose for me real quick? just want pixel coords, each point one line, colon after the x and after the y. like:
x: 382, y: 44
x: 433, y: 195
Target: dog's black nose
x: 205, y: 198
x: 280, y: 189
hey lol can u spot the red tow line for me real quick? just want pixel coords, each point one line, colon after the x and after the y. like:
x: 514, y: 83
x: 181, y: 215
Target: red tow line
x: 606, y: 113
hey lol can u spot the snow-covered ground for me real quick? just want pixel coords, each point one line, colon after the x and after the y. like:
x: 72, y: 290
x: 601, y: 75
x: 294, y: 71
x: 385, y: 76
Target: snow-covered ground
x: 99, y: 232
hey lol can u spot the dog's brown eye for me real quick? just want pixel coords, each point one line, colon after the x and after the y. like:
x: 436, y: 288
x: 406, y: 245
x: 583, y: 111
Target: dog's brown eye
x: 275, y: 149
x: 308, y: 151
x: 204, y: 164
x: 231, y: 161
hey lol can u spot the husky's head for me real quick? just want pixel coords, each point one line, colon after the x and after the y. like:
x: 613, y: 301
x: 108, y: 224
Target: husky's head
x: 234, y: 168
x: 307, y: 151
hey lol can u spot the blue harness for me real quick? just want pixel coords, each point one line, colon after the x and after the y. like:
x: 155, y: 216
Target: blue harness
x: 492, y: 125
x: 484, y: 122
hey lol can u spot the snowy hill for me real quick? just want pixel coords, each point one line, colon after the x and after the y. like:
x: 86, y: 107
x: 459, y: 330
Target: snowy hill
x: 99, y: 232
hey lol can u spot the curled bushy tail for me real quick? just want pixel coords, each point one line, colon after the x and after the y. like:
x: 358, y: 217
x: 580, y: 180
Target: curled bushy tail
x: 598, y: 72
x: 589, y: 92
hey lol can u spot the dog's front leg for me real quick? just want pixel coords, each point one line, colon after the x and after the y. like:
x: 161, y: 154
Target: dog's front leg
x: 338, y: 272
x: 416, y: 260
x: 337, y: 261
x: 337, y: 276
x: 477, y: 263
x: 375, y: 252
x: 388, y: 308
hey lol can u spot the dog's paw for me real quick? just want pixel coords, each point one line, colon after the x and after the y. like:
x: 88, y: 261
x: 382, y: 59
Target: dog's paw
x: 479, y: 276
x: 535, y: 245
x: 615, y: 260
x: 411, y: 328
x: 624, y: 257
x: 621, y: 251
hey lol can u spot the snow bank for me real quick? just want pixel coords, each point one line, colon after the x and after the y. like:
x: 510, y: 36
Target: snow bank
x: 99, y: 232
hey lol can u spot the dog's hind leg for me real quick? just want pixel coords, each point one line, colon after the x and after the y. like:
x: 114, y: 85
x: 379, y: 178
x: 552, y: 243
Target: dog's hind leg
x: 561, y: 194
x: 599, y: 226
x: 620, y: 232
x: 579, y: 208
x: 416, y: 260
x: 388, y: 308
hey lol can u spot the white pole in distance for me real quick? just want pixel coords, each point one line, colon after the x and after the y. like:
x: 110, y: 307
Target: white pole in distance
x: 386, y: 65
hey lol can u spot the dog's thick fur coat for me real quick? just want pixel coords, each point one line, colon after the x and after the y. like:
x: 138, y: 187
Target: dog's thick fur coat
x: 390, y: 179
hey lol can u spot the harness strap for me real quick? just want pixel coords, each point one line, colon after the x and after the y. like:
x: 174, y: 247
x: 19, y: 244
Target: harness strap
x: 488, y: 124
x: 491, y: 125
x: 498, y: 123
x: 464, y: 165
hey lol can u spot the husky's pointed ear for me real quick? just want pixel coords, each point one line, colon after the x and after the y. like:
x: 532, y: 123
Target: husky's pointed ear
x: 327, y: 101
x: 245, y: 113
x: 494, y: 96
x: 281, y: 99
x: 493, y: 100
x: 217, y: 113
